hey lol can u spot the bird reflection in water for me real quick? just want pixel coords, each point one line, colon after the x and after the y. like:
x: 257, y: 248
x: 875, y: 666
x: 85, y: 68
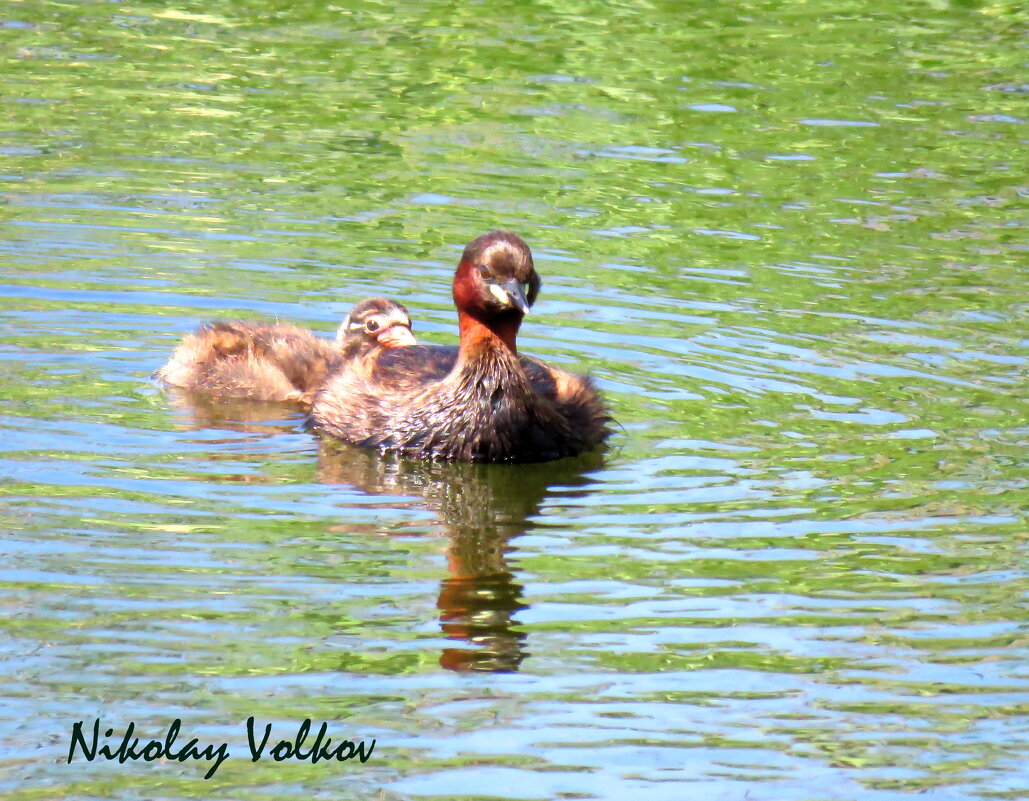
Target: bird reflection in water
x: 481, y: 507
x: 202, y: 411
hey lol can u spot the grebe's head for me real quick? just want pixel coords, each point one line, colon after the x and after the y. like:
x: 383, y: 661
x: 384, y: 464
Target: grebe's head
x: 496, y: 279
x: 378, y: 321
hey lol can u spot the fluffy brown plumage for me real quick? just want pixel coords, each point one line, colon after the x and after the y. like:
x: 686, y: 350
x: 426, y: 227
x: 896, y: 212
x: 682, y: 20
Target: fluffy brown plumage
x: 479, y: 402
x: 281, y: 362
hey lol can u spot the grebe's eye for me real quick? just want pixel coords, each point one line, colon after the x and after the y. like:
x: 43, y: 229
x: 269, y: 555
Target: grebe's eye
x: 484, y: 271
x: 371, y: 326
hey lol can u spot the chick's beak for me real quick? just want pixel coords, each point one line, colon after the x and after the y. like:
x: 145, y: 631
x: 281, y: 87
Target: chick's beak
x: 396, y: 336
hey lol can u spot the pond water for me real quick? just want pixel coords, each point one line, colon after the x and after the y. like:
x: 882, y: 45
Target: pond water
x: 786, y: 238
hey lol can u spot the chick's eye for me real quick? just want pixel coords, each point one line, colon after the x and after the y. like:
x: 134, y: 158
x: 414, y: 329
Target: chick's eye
x: 484, y: 271
x: 371, y: 326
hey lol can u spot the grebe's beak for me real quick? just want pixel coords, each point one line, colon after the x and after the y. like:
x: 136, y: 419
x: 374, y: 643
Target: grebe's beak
x: 396, y: 336
x: 510, y: 293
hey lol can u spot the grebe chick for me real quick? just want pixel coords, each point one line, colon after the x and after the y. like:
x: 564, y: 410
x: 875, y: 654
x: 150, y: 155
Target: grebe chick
x: 480, y: 401
x: 281, y: 362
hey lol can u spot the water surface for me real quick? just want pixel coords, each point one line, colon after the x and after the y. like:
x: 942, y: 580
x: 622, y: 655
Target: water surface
x: 786, y: 238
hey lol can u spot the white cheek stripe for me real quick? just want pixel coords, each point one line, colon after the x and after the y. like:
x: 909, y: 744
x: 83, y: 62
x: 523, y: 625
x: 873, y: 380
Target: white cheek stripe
x: 500, y: 294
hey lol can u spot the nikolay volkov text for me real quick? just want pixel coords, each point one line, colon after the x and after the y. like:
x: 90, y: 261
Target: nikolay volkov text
x: 131, y: 748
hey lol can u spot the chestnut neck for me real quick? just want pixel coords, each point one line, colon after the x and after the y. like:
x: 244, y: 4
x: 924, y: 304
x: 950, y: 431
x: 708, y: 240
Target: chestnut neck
x: 475, y: 332
x: 479, y: 327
